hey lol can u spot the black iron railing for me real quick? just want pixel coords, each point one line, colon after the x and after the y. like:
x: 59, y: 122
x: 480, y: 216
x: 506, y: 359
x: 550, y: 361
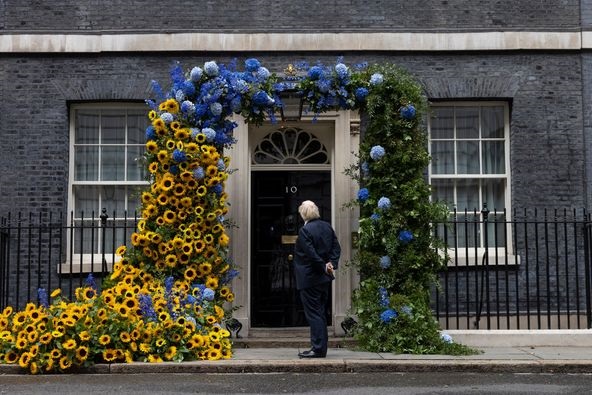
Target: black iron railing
x: 51, y: 251
x: 527, y: 270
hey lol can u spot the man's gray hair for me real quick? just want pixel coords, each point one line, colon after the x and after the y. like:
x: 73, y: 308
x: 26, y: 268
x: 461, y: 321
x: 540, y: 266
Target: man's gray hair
x: 308, y: 210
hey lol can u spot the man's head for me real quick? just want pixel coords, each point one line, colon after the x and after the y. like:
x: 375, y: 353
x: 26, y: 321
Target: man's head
x: 308, y: 210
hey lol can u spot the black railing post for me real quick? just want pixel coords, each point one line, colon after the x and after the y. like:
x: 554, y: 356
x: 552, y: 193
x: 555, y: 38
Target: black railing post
x: 104, y: 217
x: 485, y: 216
x: 587, y: 258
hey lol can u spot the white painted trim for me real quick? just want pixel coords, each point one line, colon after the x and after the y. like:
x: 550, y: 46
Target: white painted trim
x: 353, y: 41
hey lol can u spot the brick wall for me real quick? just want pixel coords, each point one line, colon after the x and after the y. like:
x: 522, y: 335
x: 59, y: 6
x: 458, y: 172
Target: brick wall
x: 285, y: 15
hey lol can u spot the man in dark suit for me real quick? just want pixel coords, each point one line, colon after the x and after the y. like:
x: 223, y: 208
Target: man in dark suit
x: 316, y: 257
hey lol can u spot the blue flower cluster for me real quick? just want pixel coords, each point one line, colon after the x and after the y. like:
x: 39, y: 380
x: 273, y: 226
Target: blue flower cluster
x: 388, y: 315
x: 208, y: 96
x: 363, y: 194
x: 405, y: 236
x: 384, y: 203
x: 377, y: 152
x: 384, y: 298
x: 330, y: 87
x: 385, y: 262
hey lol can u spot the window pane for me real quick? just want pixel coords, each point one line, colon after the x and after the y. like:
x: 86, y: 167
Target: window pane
x: 87, y: 127
x: 86, y: 238
x: 442, y: 123
x: 136, y: 127
x: 133, y: 199
x: 113, y: 127
x: 467, y: 231
x: 467, y: 195
x: 86, y: 163
x: 494, y: 193
x: 86, y: 199
x: 113, y: 199
x: 494, y: 160
x: 496, y: 232
x: 443, y: 191
x: 467, y: 122
x: 113, y: 163
x: 442, y: 157
x: 468, y: 157
x: 492, y: 119
x: 135, y: 163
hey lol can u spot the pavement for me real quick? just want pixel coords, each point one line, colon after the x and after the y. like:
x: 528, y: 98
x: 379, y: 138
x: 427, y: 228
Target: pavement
x: 341, y: 360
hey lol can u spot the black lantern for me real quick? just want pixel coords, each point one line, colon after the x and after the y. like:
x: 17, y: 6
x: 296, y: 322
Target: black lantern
x: 291, y: 109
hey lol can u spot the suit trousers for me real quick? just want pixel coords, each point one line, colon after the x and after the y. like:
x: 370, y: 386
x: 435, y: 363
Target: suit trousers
x: 314, y: 301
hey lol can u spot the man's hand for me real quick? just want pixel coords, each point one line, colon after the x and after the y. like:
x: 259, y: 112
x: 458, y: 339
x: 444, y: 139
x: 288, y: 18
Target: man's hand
x: 329, y: 269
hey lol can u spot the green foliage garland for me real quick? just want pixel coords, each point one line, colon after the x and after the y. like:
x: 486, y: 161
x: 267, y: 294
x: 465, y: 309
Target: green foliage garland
x: 397, y: 256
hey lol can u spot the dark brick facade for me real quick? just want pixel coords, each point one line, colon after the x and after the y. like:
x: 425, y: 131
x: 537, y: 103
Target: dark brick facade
x: 289, y: 16
x: 549, y: 91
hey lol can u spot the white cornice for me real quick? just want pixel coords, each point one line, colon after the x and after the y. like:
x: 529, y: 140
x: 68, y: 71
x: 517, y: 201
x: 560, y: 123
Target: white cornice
x: 232, y: 42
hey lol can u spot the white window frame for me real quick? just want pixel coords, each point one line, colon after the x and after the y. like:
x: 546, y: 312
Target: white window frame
x: 471, y: 256
x: 92, y: 262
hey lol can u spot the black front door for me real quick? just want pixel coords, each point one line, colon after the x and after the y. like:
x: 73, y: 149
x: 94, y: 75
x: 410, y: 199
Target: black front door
x: 276, y: 196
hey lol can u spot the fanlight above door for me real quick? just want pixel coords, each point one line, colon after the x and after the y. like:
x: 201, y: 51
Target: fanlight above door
x: 290, y: 146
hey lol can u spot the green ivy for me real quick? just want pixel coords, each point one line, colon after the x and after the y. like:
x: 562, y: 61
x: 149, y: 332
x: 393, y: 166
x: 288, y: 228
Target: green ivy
x: 399, y: 175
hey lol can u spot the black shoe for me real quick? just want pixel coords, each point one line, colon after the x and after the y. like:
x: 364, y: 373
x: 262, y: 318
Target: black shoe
x: 311, y: 354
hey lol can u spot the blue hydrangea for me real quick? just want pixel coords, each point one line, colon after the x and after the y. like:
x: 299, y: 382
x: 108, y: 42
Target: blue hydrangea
x: 324, y: 85
x: 179, y: 156
x: 388, y: 315
x: 315, y: 72
x: 376, y: 79
x: 211, y: 68
x: 341, y: 70
x: 199, y: 173
x: 208, y: 294
x: 187, y: 107
x: 375, y: 217
x: 361, y: 93
x: 384, y: 203
x: 262, y: 99
x: 167, y: 117
x: 263, y: 74
x: 210, y: 133
x: 216, y: 109
x: 405, y: 236
x: 188, y: 88
x: 179, y: 95
x: 221, y: 166
x: 408, y: 112
x: 196, y: 74
x: 240, y: 86
x: 174, y: 169
x: 377, y: 152
x: 363, y: 194
x: 385, y: 262
x: 446, y: 338
x: 150, y: 133
x: 252, y: 64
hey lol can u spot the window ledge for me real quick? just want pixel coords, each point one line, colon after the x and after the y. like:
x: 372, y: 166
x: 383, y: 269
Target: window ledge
x: 86, y: 264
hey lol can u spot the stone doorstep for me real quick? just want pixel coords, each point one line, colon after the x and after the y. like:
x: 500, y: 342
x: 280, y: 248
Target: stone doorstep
x: 293, y: 342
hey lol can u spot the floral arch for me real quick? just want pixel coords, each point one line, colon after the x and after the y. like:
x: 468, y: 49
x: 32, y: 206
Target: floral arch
x: 165, y: 298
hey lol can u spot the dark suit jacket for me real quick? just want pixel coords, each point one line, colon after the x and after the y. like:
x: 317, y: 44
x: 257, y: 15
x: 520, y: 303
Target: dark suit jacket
x: 316, y: 245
